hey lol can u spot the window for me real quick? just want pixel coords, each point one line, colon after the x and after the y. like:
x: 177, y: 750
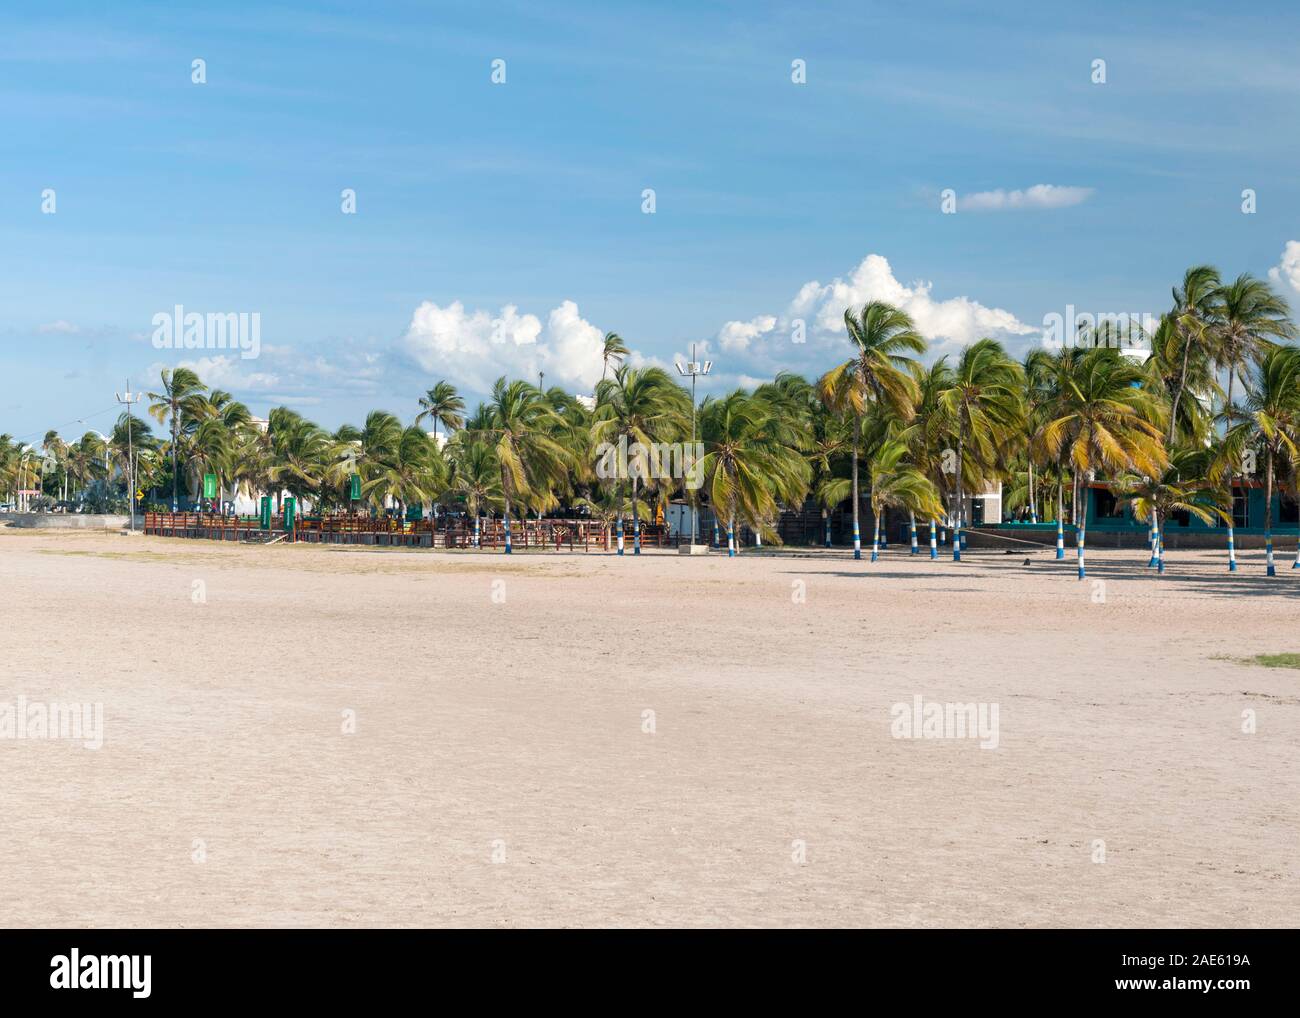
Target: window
x: 1288, y: 510
x: 1105, y: 505
x: 1240, y: 508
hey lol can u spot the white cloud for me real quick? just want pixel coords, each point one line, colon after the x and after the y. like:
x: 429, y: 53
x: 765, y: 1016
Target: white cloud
x: 736, y: 336
x: 1040, y: 196
x: 60, y: 326
x: 472, y: 349
x: 768, y: 340
x: 1289, y: 269
x: 225, y: 372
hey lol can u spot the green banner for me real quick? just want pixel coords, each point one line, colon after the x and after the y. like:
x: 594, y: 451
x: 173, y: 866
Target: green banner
x: 354, y: 487
x: 290, y: 508
x: 209, y: 485
x: 266, y: 512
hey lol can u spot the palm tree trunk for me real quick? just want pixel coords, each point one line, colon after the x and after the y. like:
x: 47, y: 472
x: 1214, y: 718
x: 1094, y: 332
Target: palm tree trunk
x: 731, y: 536
x: 1060, y: 519
x: 1160, y: 544
x: 826, y: 524
x: 1033, y: 504
x: 911, y: 522
x: 1178, y: 392
x: 875, y: 541
x: 1232, y: 547
x: 857, y: 533
x: 505, y: 522
x: 619, y: 496
x: 1270, y: 570
x: 636, y: 520
x: 175, y: 469
x: 956, y: 531
x: 934, y: 547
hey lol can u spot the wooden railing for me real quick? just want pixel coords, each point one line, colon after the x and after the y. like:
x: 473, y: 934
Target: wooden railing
x: 571, y: 535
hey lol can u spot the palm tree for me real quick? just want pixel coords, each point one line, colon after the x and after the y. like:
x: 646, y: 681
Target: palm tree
x: 613, y: 350
x: 750, y: 463
x: 530, y: 459
x: 411, y: 470
x: 636, y: 410
x: 1102, y: 419
x: 1183, y: 487
x: 1253, y: 319
x: 1271, y: 423
x: 985, y: 409
x: 829, y: 441
x: 131, y: 437
x: 57, y: 449
x: 300, y: 453
x: 895, y: 482
x: 879, y: 373
x: 181, y: 396
x: 476, y: 480
x: 442, y: 403
x: 1195, y: 319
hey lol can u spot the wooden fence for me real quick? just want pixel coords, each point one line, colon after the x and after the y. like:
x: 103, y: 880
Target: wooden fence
x: 557, y: 534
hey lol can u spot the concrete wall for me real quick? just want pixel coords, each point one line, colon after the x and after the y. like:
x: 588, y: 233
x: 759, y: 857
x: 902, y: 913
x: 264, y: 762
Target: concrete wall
x: 67, y: 521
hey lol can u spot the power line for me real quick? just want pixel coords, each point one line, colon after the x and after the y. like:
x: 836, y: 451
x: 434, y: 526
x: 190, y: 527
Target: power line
x: 80, y: 420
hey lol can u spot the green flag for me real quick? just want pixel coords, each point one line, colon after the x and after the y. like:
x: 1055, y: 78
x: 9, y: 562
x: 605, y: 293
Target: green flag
x: 209, y: 485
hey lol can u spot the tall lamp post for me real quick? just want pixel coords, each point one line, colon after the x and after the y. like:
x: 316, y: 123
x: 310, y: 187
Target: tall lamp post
x: 128, y: 399
x: 695, y: 369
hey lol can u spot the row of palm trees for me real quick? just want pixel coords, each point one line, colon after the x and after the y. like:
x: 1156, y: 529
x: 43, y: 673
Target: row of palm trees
x: 1216, y: 402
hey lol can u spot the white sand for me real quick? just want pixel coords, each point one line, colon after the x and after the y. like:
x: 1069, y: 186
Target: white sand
x: 522, y: 722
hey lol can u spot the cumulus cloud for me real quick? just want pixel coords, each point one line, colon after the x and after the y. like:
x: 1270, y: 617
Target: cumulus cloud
x: 1289, y: 269
x: 227, y: 372
x: 1040, y: 196
x: 474, y: 348
x: 736, y: 336
x: 813, y: 322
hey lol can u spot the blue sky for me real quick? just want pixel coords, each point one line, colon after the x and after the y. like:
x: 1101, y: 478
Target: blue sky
x: 774, y: 201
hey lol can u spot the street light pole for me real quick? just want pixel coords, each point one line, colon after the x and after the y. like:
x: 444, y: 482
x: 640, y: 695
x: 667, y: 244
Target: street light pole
x: 695, y: 369
x: 127, y: 399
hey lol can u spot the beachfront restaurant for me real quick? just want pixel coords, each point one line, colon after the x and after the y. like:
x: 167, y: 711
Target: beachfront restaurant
x: 1108, y: 518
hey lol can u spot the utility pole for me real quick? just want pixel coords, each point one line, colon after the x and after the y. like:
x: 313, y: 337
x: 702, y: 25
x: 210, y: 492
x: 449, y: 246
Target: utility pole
x: 127, y: 399
x: 694, y: 369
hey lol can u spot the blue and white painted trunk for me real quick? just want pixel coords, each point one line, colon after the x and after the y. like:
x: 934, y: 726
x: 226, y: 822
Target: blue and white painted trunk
x: 884, y: 533
x: 731, y: 538
x: 1153, y: 538
x: 934, y: 546
x: 857, y: 540
x: 828, y: 530
x: 478, y: 538
x: 620, y: 533
x: 505, y: 520
x: 636, y: 536
x: 911, y: 522
x: 956, y: 537
x: 716, y: 539
x: 1078, y: 543
x: 1270, y: 569
x: 1232, y: 552
x: 1060, y: 537
x: 875, y: 542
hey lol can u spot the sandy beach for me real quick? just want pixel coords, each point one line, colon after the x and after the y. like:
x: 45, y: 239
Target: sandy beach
x: 504, y: 770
